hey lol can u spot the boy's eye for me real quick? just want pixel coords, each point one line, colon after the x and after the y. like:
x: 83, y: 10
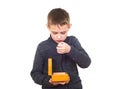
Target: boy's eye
x: 54, y: 33
x: 63, y: 32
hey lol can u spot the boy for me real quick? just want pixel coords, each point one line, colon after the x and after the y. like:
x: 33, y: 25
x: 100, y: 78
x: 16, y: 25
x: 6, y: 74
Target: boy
x: 65, y: 51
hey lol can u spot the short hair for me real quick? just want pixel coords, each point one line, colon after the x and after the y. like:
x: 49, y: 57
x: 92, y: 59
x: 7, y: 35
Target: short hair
x: 58, y: 16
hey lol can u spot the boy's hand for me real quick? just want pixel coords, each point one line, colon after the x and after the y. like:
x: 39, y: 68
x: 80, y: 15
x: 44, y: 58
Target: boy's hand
x: 63, y: 48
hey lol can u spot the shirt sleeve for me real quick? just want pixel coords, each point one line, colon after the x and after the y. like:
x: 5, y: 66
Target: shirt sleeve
x: 37, y: 71
x: 78, y: 54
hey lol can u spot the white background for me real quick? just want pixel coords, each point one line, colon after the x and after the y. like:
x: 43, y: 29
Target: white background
x: 96, y: 23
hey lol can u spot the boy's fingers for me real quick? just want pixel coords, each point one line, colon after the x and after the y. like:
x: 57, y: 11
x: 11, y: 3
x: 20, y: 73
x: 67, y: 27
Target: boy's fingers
x: 60, y: 48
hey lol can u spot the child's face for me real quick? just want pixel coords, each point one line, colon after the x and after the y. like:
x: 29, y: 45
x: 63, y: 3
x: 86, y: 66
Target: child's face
x: 58, y: 32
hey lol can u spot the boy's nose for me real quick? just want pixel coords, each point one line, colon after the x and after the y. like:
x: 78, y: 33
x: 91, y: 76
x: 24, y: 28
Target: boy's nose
x: 58, y: 36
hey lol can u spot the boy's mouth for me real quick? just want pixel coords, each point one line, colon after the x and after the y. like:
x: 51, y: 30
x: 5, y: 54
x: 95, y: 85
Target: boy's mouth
x: 58, y: 41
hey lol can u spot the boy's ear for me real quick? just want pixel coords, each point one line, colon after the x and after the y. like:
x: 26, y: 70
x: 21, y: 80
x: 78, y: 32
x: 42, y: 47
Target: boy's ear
x: 69, y: 26
x: 47, y: 26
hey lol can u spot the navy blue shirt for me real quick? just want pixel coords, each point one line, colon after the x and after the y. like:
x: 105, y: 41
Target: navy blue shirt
x: 61, y: 63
